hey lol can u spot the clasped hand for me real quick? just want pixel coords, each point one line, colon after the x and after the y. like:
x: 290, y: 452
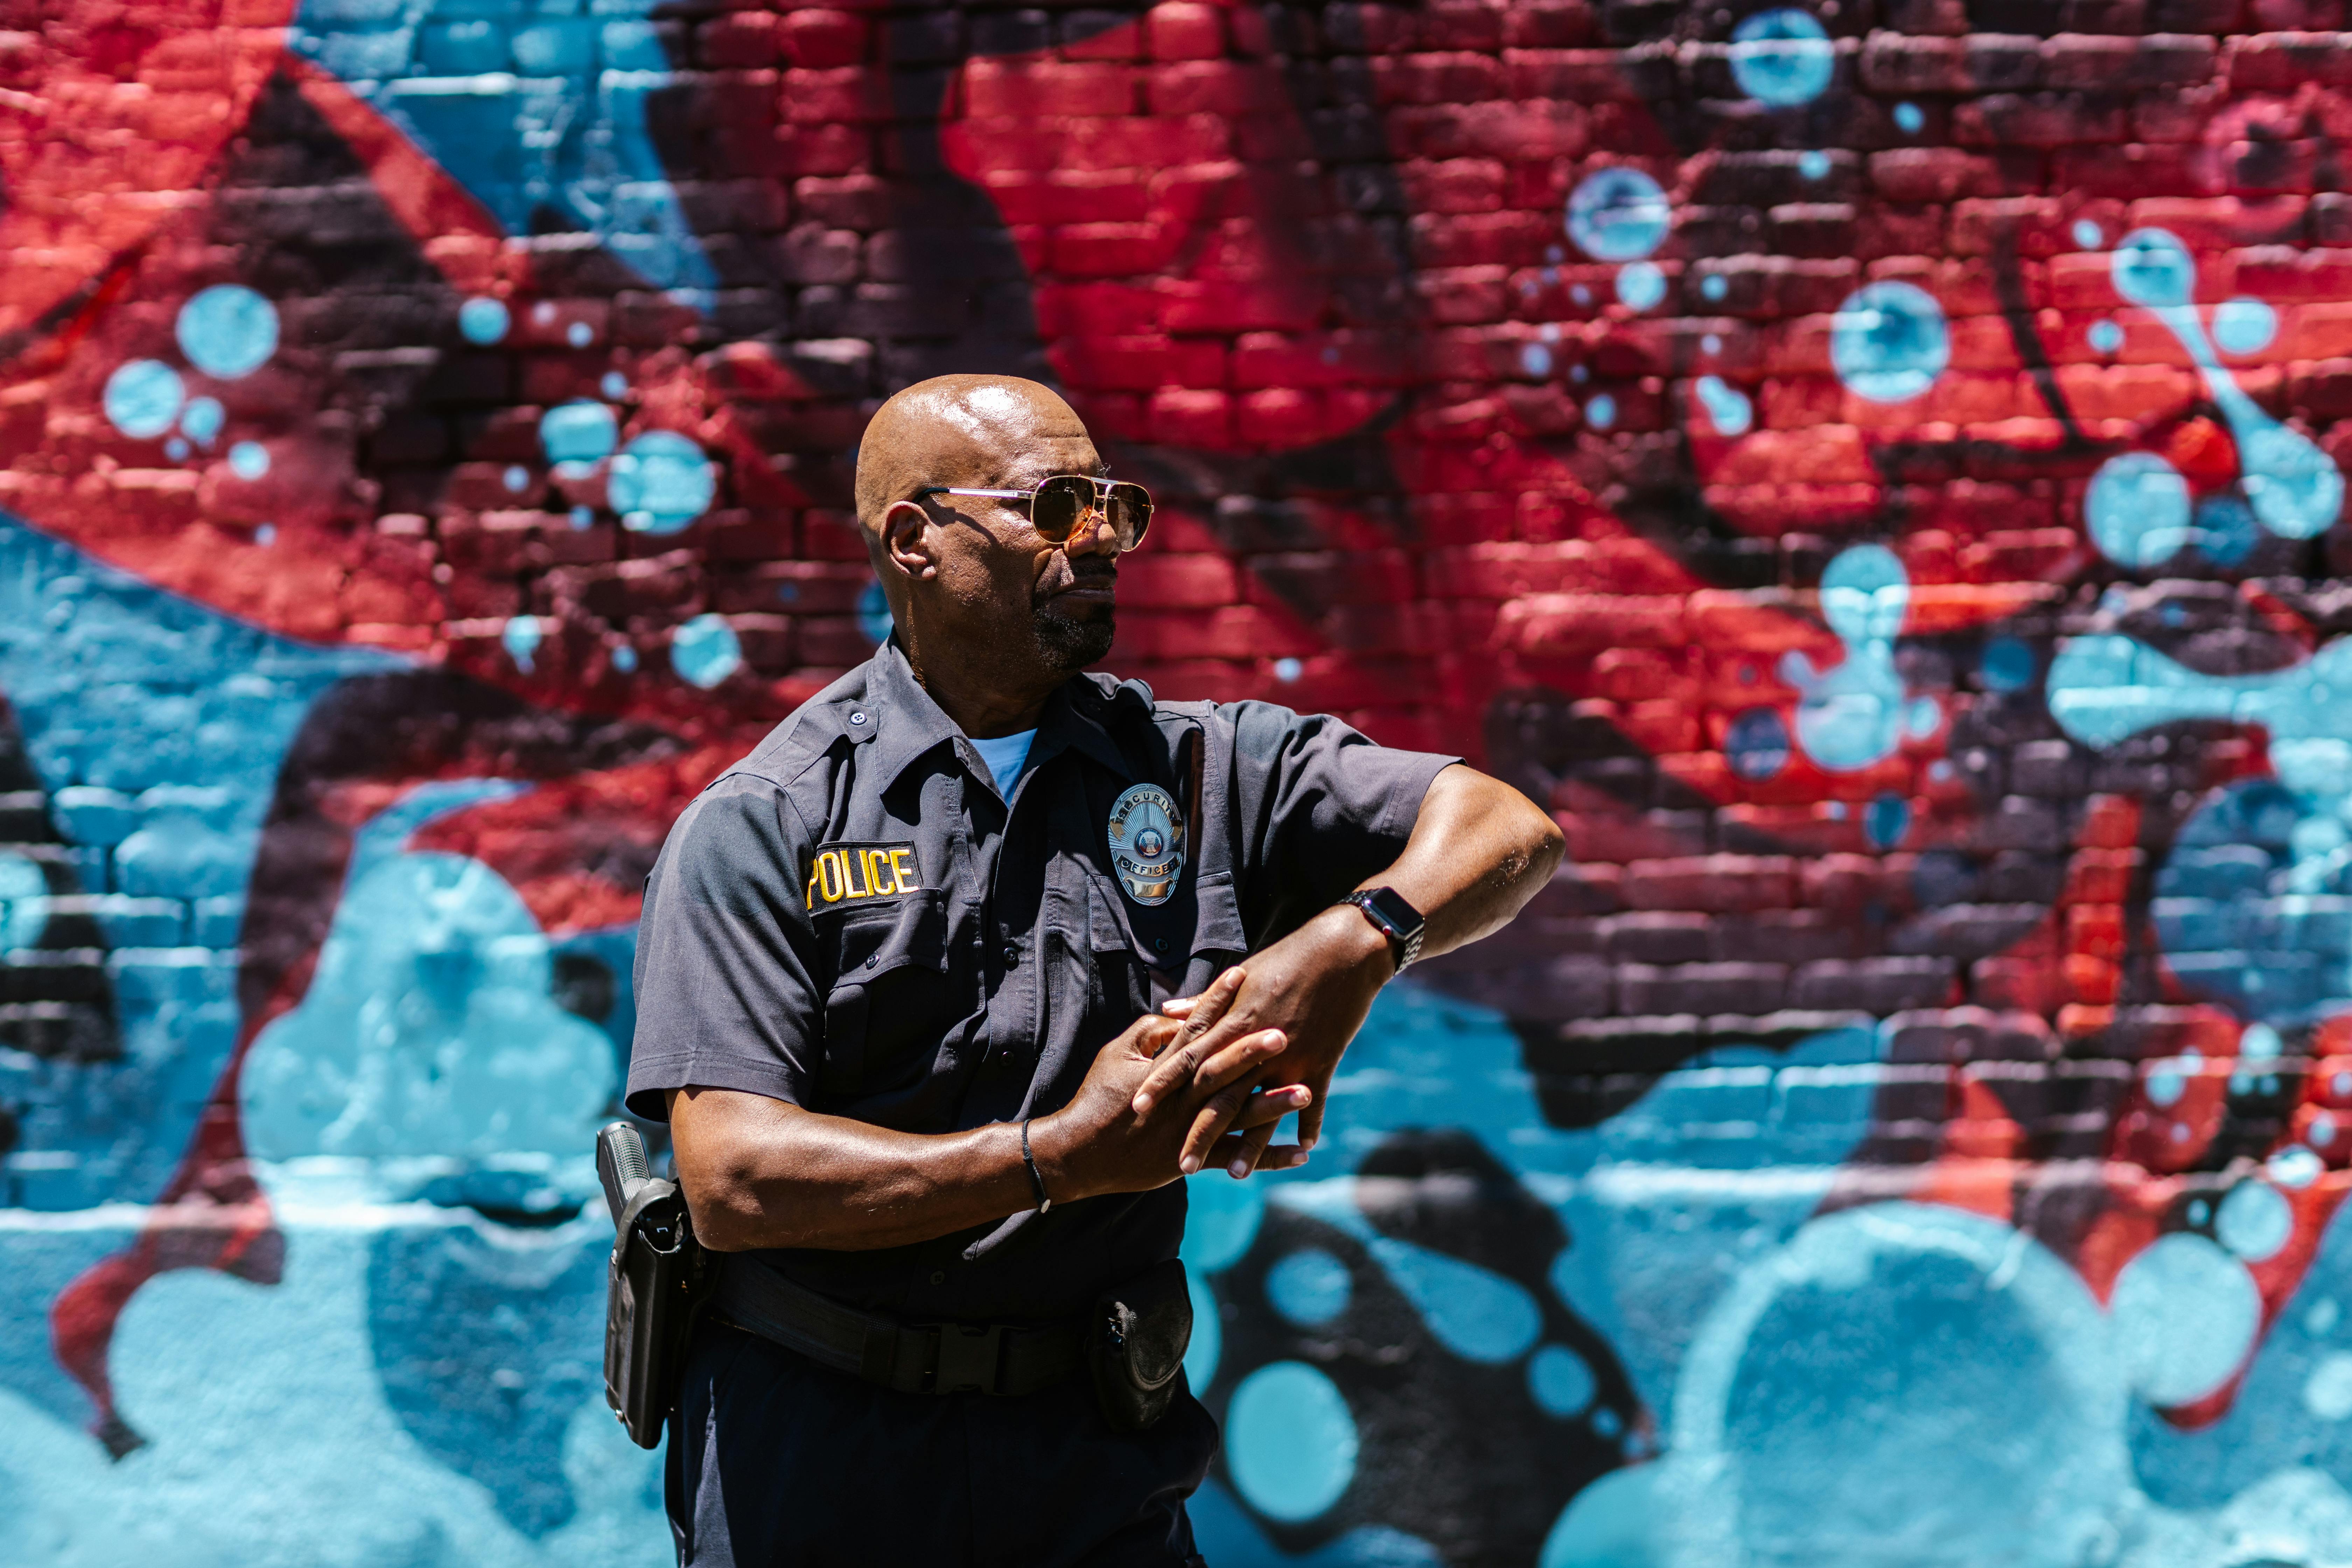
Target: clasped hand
x: 1106, y: 1140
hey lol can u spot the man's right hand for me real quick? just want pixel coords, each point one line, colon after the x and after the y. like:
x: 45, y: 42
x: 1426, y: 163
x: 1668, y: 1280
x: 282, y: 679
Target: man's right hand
x: 1100, y: 1143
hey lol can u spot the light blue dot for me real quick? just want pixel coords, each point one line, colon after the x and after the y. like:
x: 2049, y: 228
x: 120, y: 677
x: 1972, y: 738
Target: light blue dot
x: 1310, y: 1287
x: 202, y: 420
x: 1290, y: 1441
x: 2008, y: 665
x: 2242, y: 325
x: 1601, y: 412
x: 1579, y: 374
x: 25, y: 905
x: 1889, y: 341
x: 2225, y: 529
x: 2153, y: 268
x: 2104, y: 336
x: 1757, y: 745
x: 2167, y: 1080
x: 874, y: 613
x: 1580, y: 294
x: 522, y: 639
x: 175, y: 448
x: 1887, y: 821
x: 614, y: 384
x: 1907, y: 117
x: 143, y: 398
x: 517, y: 478
x: 1535, y: 360
x: 578, y: 432
x: 1606, y: 1422
x: 483, y: 319
x: 1726, y: 404
x: 579, y: 334
x: 2255, y: 1221
x: 266, y: 535
x: 2137, y: 510
x: 1814, y: 164
x: 1711, y: 343
x: 1714, y: 286
x: 660, y: 482
x: 1288, y: 669
x: 1475, y: 1313
x: 248, y: 459
x: 1618, y: 215
x: 1781, y: 58
x: 2294, y: 1168
x: 703, y: 651
x: 1560, y: 1381
x: 2089, y: 235
x: 228, y: 330
x: 2184, y: 1314
x: 1640, y: 285
x: 624, y: 659
x: 2322, y: 1132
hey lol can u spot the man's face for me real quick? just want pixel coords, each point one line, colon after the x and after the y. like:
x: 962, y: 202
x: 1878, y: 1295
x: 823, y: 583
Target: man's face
x: 1011, y: 587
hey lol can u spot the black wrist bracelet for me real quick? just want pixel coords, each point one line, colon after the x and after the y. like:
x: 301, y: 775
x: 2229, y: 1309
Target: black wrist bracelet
x: 1036, y: 1177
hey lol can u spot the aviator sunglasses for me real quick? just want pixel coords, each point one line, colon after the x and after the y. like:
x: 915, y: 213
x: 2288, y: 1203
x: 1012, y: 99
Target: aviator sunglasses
x: 1058, y: 505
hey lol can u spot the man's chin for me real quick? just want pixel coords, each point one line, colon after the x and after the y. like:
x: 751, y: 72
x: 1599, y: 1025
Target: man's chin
x: 1070, y: 644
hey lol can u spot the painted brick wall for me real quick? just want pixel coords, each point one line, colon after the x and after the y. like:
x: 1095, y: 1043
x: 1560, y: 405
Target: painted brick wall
x: 1872, y: 467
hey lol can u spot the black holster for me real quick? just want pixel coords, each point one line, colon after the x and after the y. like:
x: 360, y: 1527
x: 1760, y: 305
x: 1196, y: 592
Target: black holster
x: 657, y: 1283
x: 1136, y: 1341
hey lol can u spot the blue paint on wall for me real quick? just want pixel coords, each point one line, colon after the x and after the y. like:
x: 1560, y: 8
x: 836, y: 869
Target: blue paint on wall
x: 542, y: 112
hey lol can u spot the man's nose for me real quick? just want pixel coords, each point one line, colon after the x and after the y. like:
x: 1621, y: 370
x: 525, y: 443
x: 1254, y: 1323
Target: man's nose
x: 1093, y: 535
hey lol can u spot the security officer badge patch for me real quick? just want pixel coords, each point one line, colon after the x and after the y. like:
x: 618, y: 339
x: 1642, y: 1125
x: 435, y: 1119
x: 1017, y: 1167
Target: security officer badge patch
x: 1147, y: 843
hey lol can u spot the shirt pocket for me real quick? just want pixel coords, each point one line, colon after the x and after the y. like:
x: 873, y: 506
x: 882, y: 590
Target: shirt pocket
x: 888, y: 1004
x: 1143, y: 957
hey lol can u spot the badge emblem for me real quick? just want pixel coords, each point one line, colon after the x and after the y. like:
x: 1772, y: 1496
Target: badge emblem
x: 1147, y: 843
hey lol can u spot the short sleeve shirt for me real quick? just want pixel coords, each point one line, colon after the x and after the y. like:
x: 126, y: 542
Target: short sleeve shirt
x: 853, y: 920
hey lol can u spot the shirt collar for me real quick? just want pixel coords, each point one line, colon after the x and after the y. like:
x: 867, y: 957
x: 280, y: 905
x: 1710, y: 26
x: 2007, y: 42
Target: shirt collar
x: 903, y: 725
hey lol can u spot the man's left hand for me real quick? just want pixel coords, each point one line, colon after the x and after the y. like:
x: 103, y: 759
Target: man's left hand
x: 1316, y: 985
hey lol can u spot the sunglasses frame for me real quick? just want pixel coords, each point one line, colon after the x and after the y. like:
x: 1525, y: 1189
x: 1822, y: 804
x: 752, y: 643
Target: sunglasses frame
x: 1101, y: 503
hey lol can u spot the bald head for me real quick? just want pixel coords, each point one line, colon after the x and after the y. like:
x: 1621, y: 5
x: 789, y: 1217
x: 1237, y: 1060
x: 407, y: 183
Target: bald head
x: 964, y: 430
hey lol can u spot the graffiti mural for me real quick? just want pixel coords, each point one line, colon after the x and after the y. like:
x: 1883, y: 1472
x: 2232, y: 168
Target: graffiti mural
x: 1872, y: 467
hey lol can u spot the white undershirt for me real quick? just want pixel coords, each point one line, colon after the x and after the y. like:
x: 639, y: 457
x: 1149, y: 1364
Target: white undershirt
x: 1006, y: 755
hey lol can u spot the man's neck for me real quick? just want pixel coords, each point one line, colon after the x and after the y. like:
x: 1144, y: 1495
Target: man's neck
x: 977, y: 700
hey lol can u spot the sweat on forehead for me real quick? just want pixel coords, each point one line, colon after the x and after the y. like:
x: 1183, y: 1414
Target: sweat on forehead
x: 952, y: 430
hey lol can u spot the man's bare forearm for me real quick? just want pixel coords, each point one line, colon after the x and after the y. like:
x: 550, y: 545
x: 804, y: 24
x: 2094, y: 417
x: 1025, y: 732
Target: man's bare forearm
x: 1479, y: 851
x: 762, y: 1173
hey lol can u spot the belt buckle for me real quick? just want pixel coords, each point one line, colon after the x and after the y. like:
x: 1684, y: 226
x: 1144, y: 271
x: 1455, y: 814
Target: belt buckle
x: 970, y: 1357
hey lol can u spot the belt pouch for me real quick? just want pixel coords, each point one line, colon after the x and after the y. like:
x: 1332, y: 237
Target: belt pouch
x: 1135, y: 1339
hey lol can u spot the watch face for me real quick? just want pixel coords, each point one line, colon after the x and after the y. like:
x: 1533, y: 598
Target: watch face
x: 1403, y: 920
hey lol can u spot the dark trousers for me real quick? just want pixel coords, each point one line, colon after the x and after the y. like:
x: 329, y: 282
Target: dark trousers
x: 777, y: 1462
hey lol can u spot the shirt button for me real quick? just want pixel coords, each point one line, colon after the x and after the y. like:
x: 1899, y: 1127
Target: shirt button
x: 938, y: 1276
x: 857, y: 718
x: 1012, y: 955
x: 873, y: 960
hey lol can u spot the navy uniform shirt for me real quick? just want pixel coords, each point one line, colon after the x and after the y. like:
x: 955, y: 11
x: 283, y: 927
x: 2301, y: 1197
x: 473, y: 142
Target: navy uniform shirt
x: 852, y: 919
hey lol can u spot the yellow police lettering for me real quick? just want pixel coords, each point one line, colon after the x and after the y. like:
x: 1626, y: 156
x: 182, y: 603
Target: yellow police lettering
x: 859, y: 871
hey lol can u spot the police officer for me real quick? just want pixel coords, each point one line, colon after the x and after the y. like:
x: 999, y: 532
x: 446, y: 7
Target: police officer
x: 945, y: 985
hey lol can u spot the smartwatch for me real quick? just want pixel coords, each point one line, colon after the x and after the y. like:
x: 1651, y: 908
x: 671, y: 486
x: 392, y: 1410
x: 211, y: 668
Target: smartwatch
x: 1394, y: 919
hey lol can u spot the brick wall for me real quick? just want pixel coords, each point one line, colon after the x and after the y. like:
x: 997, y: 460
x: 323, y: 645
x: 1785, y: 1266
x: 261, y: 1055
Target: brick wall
x: 1871, y: 467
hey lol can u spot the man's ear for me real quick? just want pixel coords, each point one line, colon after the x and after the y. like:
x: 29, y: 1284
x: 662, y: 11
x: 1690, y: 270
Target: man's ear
x: 906, y: 540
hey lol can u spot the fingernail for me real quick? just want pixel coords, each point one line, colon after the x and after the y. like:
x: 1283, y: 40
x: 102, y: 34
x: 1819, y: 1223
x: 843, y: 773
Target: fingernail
x: 1142, y: 1103
x: 1188, y: 1164
x: 1238, y: 1169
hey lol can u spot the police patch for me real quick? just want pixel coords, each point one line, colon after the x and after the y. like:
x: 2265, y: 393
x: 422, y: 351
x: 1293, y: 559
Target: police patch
x: 1147, y: 843
x: 853, y: 873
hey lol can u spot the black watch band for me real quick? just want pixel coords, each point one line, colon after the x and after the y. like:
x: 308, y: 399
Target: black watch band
x: 1392, y: 917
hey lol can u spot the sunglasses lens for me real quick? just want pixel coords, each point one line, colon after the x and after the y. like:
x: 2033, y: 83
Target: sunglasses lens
x: 1060, y: 502
x: 1131, y: 513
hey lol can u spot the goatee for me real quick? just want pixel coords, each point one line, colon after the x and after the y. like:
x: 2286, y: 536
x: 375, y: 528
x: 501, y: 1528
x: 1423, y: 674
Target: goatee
x: 1068, y: 644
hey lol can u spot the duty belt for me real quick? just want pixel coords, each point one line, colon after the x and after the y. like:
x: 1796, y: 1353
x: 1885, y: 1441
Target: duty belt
x: 912, y: 1358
